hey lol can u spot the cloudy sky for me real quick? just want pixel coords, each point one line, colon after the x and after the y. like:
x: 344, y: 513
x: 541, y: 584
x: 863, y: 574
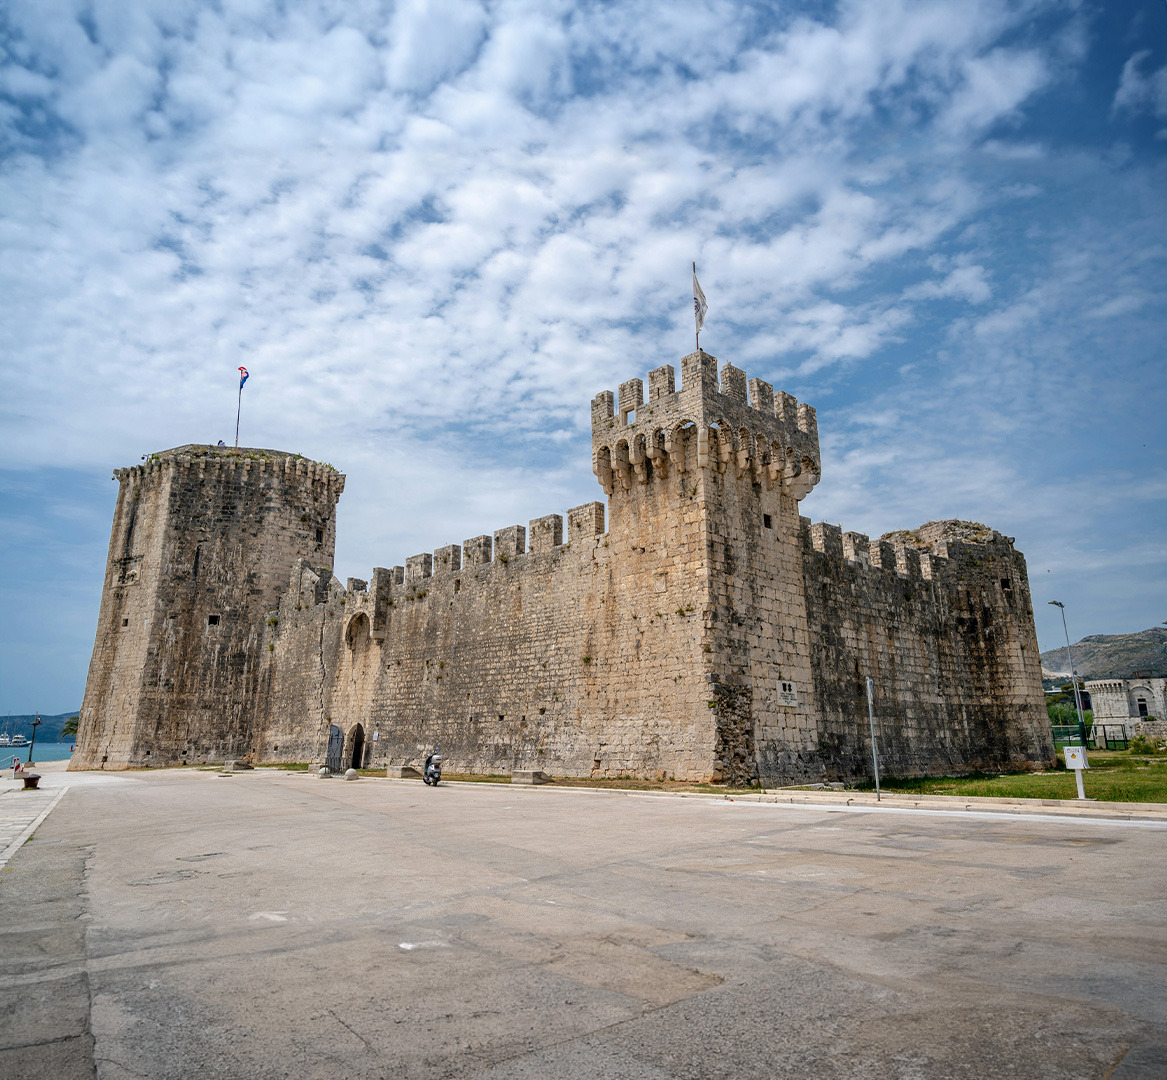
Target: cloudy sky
x: 433, y: 230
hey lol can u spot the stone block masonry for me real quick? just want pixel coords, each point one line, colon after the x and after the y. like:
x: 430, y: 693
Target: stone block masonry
x: 202, y: 544
x: 696, y: 627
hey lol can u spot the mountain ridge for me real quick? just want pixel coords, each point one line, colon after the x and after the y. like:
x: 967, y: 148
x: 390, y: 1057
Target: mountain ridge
x: 49, y: 730
x: 1101, y: 656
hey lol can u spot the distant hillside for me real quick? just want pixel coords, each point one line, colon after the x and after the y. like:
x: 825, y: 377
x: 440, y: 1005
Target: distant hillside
x: 49, y: 731
x: 1118, y: 655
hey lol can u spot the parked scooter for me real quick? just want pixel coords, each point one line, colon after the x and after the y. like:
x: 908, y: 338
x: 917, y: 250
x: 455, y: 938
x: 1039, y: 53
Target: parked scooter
x: 433, y: 768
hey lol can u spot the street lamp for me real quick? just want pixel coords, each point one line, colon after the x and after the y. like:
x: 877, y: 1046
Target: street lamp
x: 1073, y: 673
x: 35, y: 724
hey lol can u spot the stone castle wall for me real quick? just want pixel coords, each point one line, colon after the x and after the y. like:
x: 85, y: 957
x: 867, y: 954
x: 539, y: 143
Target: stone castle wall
x: 1117, y: 700
x: 708, y: 633
x: 944, y: 628
x: 558, y: 657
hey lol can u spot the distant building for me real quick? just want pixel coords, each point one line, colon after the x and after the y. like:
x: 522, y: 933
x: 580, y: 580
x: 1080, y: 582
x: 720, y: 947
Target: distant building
x: 1119, y: 701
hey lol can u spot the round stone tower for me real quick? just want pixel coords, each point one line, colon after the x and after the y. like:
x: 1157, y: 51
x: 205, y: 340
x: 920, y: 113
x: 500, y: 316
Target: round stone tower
x: 203, y: 542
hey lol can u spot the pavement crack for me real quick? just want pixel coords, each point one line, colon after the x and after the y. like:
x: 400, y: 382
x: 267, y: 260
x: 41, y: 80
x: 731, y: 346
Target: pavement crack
x: 85, y: 918
x: 348, y: 1027
x: 1110, y: 1072
x: 120, y: 1065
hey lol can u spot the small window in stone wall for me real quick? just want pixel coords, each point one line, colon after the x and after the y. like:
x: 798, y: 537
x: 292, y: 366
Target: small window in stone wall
x: 212, y: 620
x: 1142, y: 702
x: 767, y: 523
x: 320, y: 536
x: 125, y: 622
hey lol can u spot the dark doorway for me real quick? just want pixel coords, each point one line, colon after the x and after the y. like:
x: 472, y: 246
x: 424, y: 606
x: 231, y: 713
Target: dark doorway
x: 335, y: 748
x: 358, y: 747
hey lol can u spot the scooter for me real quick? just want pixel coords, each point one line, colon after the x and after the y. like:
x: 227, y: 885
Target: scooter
x: 433, y: 769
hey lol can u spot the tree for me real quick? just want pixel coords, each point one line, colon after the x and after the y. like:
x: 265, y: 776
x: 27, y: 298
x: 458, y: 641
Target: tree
x: 69, y: 728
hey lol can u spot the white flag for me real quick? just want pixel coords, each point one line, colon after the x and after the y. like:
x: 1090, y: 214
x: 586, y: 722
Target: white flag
x: 699, y: 304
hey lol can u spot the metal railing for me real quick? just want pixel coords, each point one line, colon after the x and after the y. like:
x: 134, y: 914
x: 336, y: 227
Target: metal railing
x: 1111, y: 736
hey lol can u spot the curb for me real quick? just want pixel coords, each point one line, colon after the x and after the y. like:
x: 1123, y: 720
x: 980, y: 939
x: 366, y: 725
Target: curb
x: 16, y: 844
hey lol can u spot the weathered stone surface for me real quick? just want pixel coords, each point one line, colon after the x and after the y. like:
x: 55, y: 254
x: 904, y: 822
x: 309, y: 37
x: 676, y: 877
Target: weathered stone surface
x: 1126, y: 701
x: 203, y: 542
x: 529, y: 776
x: 709, y: 634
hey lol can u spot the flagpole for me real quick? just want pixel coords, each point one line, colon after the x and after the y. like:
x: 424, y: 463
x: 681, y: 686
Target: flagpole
x: 695, y: 313
x: 238, y: 408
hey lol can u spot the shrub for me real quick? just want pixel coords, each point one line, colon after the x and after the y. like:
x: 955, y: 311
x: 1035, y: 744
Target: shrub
x: 1140, y: 744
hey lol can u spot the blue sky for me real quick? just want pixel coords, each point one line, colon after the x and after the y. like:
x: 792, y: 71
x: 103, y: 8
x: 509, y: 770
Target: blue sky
x: 433, y: 231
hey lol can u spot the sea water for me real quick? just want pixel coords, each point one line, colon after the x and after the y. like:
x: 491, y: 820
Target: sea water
x: 53, y: 751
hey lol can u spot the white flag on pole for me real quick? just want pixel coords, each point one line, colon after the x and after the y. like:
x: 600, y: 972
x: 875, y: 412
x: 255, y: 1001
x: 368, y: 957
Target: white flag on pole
x: 699, y: 304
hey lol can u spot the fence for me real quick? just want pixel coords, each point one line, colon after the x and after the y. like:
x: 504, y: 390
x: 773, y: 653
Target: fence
x: 1099, y: 736
x: 1068, y: 735
x: 1111, y: 736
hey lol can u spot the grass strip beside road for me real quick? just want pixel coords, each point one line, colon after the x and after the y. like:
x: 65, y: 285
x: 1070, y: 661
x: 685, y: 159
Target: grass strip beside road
x: 1113, y: 776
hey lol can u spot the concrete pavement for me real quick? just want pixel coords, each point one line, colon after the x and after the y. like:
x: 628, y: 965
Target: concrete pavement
x: 270, y: 924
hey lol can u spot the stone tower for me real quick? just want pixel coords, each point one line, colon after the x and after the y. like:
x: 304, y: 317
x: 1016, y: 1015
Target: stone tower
x: 715, y: 472
x: 202, y: 545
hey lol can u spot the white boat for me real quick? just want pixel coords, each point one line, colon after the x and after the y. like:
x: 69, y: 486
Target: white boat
x: 16, y: 740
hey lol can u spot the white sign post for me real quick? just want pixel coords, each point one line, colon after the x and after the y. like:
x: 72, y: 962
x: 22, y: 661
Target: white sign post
x: 1076, y: 759
x: 871, y: 721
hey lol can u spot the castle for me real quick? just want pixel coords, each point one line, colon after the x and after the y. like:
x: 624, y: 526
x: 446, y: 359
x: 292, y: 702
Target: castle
x: 699, y: 629
x: 1138, y: 699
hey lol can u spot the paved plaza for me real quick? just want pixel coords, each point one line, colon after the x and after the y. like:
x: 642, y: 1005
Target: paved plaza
x: 184, y: 924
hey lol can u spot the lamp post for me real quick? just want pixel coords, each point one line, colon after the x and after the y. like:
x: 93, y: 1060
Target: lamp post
x: 35, y: 724
x: 1073, y: 674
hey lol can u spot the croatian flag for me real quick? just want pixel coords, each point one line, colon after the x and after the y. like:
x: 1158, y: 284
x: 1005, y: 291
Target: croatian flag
x: 243, y: 377
x: 700, y: 307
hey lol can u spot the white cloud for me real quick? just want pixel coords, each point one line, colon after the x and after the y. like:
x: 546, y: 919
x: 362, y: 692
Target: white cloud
x: 963, y: 283
x: 994, y: 86
x: 431, y: 40
x: 451, y: 223
x: 1141, y: 93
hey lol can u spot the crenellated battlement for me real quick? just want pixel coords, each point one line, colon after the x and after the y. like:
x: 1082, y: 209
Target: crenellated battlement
x: 733, y: 425
x: 924, y: 554
x: 509, y: 546
x: 541, y: 535
x: 201, y: 460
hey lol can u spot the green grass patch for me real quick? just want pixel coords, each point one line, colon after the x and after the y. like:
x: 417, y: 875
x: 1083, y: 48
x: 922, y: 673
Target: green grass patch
x: 627, y: 783
x: 477, y: 778
x: 1113, y: 776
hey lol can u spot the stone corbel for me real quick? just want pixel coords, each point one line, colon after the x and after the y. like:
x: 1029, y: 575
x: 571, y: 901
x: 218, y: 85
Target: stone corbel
x: 790, y: 472
x: 724, y: 452
x: 637, y: 461
x: 744, y: 460
x: 620, y: 467
x: 657, y: 454
x: 603, y: 471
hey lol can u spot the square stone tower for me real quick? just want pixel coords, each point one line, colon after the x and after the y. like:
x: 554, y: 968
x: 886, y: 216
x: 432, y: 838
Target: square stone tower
x: 711, y: 476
